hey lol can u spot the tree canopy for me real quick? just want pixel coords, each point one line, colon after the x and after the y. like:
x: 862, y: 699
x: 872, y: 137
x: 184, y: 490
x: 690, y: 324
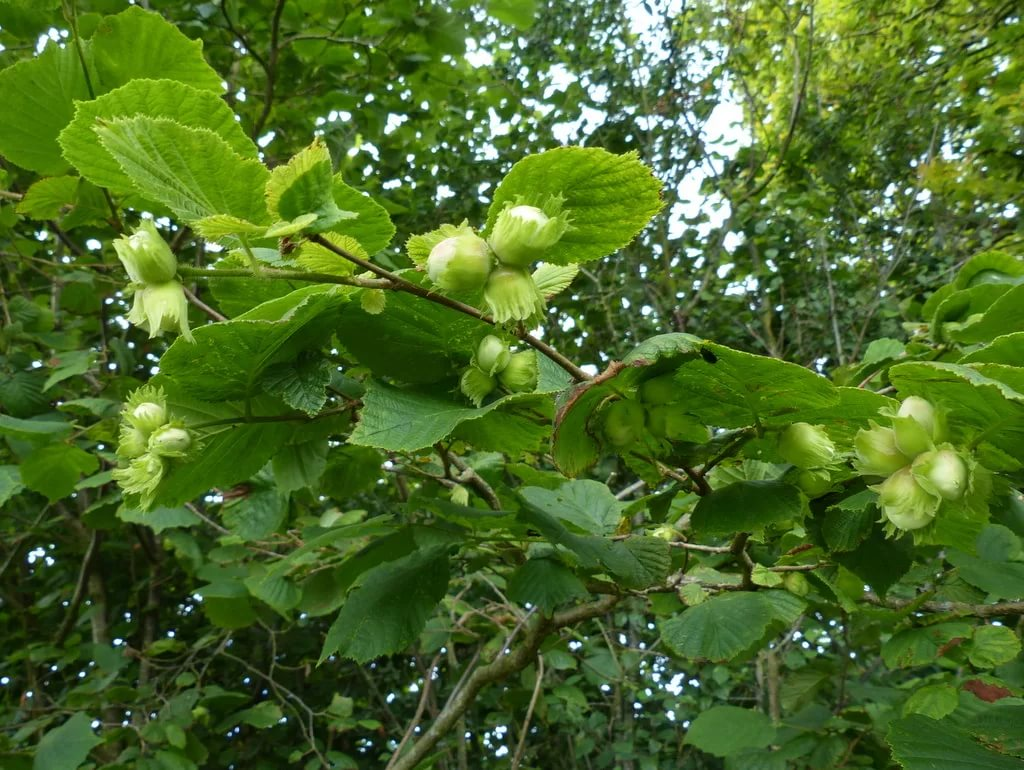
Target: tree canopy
x: 603, y: 384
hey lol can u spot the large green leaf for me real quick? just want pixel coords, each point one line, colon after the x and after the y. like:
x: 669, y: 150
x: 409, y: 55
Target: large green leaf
x: 609, y: 198
x: 730, y: 389
x: 228, y: 360
x: 546, y: 583
x: 920, y: 743
x: 923, y: 646
x: 389, y: 607
x: 729, y: 730
x: 727, y: 625
x: 411, y: 340
x: 192, y: 171
x: 55, y: 469
x: 404, y: 420
x: 747, y: 506
x: 999, y: 579
x: 36, y: 102
x: 68, y: 746
x: 189, y: 106
x: 587, y: 505
x: 637, y: 562
x: 141, y: 44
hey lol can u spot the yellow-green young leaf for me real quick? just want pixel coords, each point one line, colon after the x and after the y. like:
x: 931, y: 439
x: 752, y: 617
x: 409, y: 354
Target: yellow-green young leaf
x: 553, y: 279
x: 372, y: 226
x: 219, y: 226
x: 373, y: 301
x: 609, y: 198
x: 305, y: 185
x: 192, y: 171
x: 142, y: 44
x: 284, y: 228
x: 993, y: 646
x: 319, y: 259
x: 189, y: 106
x: 36, y: 101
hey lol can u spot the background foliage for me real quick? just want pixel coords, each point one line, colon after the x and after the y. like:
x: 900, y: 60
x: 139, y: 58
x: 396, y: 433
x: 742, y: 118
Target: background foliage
x: 876, y: 149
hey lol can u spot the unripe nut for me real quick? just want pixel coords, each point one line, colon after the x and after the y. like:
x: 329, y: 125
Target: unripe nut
x: 148, y: 416
x: 460, y: 263
x: 492, y: 355
x: 806, y: 446
x: 170, y: 442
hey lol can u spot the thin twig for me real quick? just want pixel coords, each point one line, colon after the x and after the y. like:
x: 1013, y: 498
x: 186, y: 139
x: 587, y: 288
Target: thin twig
x: 191, y: 297
x: 521, y: 747
x: 416, y: 716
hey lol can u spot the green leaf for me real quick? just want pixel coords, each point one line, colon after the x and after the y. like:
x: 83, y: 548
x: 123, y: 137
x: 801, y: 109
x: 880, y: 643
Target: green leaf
x: 68, y: 746
x: 372, y: 227
x: 189, y: 106
x: 545, y: 583
x: 1003, y: 316
x: 993, y: 646
x: 1001, y: 580
x: 229, y: 360
x: 231, y: 454
x: 192, y: 171
x: 301, y: 384
x: 849, y: 521
x: 1007, y: 349
x: 68, y: 364
x: 934, y: 701
x: 10, y: 482
x: 411, y: 340
x: 351, y: 470
x: 725, y: 626
x: 33, y: 430
x: 553, y: 279
x: 520, y: 14
x: 159, y: 518
x: 729, y: 730
x: 405, y: 420
x: 229, y: 612
x: 141, y: 44
x: 731, y: 389
x: 300, y: 466
x: 320, y: 259
x: 747, y: 506
x: 921, y: 743
x: 587, y: 505
x: 279, y: 593
x: 36, y: 102
x: 609, y: 198
x: 512, y: 429
x: 389, y: 607
x: 304, y: 186
x: 54, y: 470
x: 258, y: 514
x: 48, y: 198
x: 922, y: 646
x: 261, y: 716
